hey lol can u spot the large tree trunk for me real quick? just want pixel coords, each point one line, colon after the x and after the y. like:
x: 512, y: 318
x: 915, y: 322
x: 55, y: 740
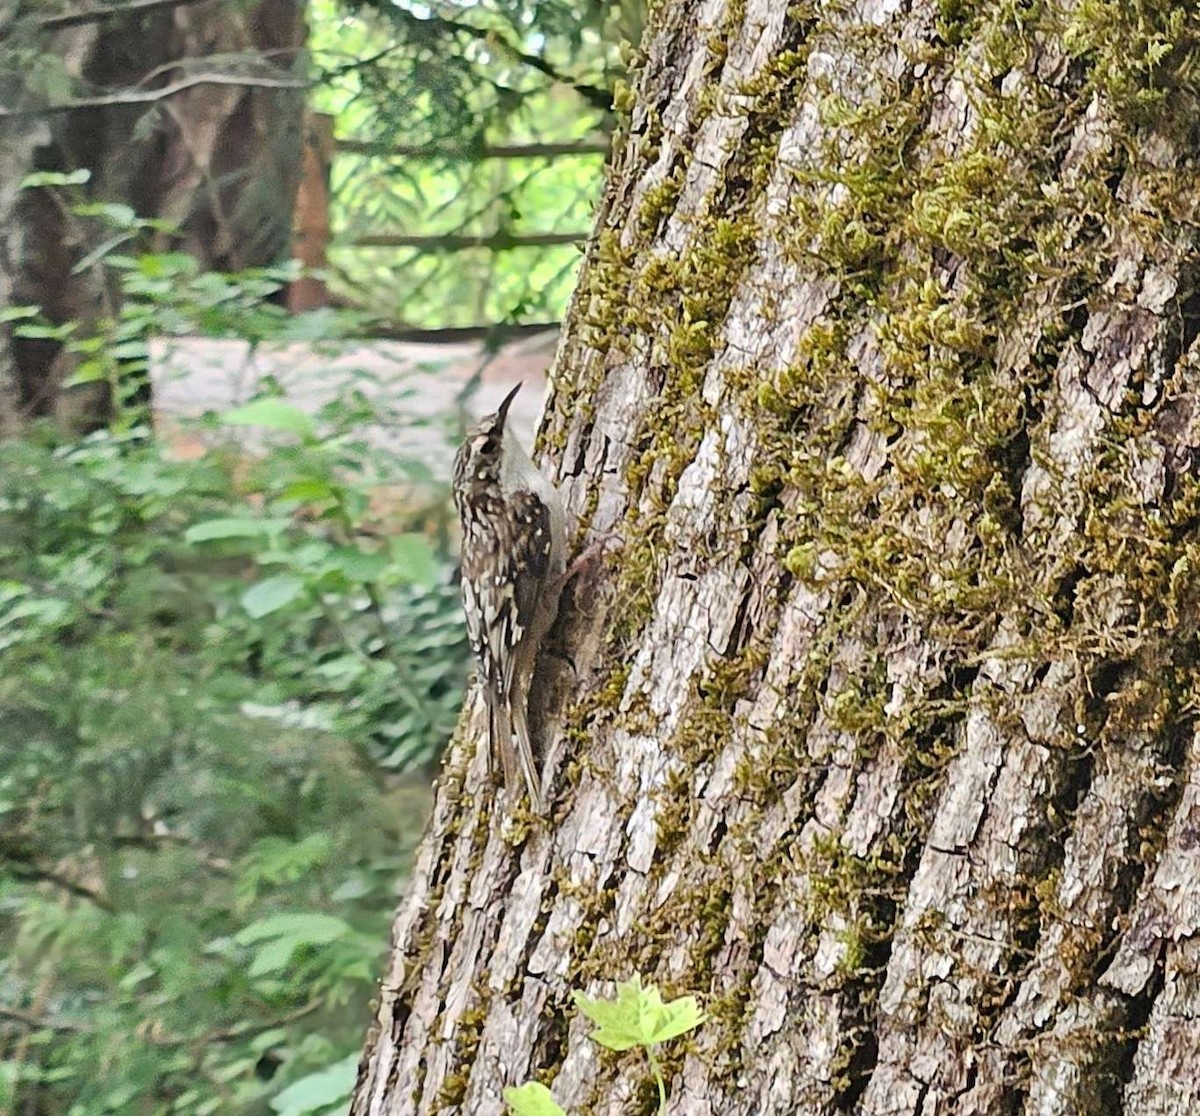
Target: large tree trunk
x: 220, y: 162
x: 883, y: 738
x: 18, y: 142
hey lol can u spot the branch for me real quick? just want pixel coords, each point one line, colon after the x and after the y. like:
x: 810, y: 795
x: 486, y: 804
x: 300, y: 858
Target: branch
x: 218, y: 865
x: 223, y: 1034
x: 96, y: 15
x: 597, y: 98
x: 425, y: 151
x: 359, y: 63
x: 20, y: 858
x: 131, y: 97
x: 447, y: 335
x: 35, y: 873
x: 39, y: 1023
x: 231, y: 1033
x: 495, y: 242
x: 241, y: 1030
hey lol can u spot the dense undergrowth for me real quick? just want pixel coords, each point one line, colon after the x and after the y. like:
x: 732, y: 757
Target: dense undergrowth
x: 221, y: 684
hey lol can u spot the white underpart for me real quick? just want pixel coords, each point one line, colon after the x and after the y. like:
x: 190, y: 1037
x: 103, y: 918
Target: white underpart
x: 518, y: 473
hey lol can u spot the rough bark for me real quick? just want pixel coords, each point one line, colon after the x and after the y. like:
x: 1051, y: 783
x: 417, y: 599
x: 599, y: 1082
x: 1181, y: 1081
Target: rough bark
x: 219, y: 162
x: 883, y: 732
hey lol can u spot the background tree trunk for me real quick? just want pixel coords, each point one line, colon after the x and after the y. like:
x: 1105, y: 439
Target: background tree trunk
x: 221, y: 162
x: 17, y: 144
x: 883, y: 738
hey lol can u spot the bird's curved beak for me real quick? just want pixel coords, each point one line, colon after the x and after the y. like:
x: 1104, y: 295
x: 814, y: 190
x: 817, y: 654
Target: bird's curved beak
x: 502, y: 410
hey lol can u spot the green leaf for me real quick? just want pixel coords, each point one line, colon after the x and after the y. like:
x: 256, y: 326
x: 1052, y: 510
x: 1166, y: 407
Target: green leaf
x: 360, y: 565
x: 162, y: 264
x: 282, y: 935
x: 140, y: 972
x: 274, y: 414
x: 638, y: 1016
x: 55, y: 178
x: 532, y: 1099
x: 46, y: 331
x: 129, y: 350
x: 414, y: 558
x: 318, y: 1090
x: 311, y: 490
x: 271, y: 594
x: 87, y: 372
x: 212, y: 529
x: 274, y: 860
x: 117, y: 214
x: 273, y: 956
x: 49, y: 610
x: 310, y: 926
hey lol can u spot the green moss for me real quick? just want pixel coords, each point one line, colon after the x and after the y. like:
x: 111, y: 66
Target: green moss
x: 624, y: 99
x: 935, y: 259
x: 1142, y: 56
x: 467, y: 1036
x: 658, y: 202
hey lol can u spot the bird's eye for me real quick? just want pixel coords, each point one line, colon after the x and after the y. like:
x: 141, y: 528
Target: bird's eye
x: 488, y: 447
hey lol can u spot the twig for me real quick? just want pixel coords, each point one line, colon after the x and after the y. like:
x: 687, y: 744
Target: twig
x: 494, y: 242
x: 597, y: 98
x: 238, y: 1030
x: 216, y: 864
x: 150, y: 96
x: 95, y: 15
x: 40, y: 1023
x: 224, y: 1034
x: 34, y: 873
x: 448, y: 335
x: 224, y: 61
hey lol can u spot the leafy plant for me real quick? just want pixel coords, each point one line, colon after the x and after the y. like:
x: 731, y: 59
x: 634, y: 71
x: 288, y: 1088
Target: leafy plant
x: 637, y: 1016
x: 533, y: 1099
x: 218, y: 672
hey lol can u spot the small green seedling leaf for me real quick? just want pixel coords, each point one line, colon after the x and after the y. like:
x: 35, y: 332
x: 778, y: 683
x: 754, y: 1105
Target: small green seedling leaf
x: 100, y: 251
x: 532, y: 1099
x: 638, y: 1016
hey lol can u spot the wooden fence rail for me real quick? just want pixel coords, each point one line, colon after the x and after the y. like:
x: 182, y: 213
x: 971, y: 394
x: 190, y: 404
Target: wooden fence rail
x: 311, y: 227
x: 430, y: 151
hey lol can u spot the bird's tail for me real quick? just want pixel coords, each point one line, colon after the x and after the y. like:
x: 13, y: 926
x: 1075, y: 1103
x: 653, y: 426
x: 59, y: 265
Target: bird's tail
x: 508, y: 732
x: 521, y: 742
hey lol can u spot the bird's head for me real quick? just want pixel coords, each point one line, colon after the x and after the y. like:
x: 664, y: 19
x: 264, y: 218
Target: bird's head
x: 478, y: 459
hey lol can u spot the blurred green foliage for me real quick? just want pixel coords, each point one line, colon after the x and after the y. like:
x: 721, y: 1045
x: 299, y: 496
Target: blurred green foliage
x: 221, y: 684
x: 223, y: 681
x: 443, y: 82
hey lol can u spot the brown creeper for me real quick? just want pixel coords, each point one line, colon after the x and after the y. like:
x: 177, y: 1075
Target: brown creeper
x: 514, y: 543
